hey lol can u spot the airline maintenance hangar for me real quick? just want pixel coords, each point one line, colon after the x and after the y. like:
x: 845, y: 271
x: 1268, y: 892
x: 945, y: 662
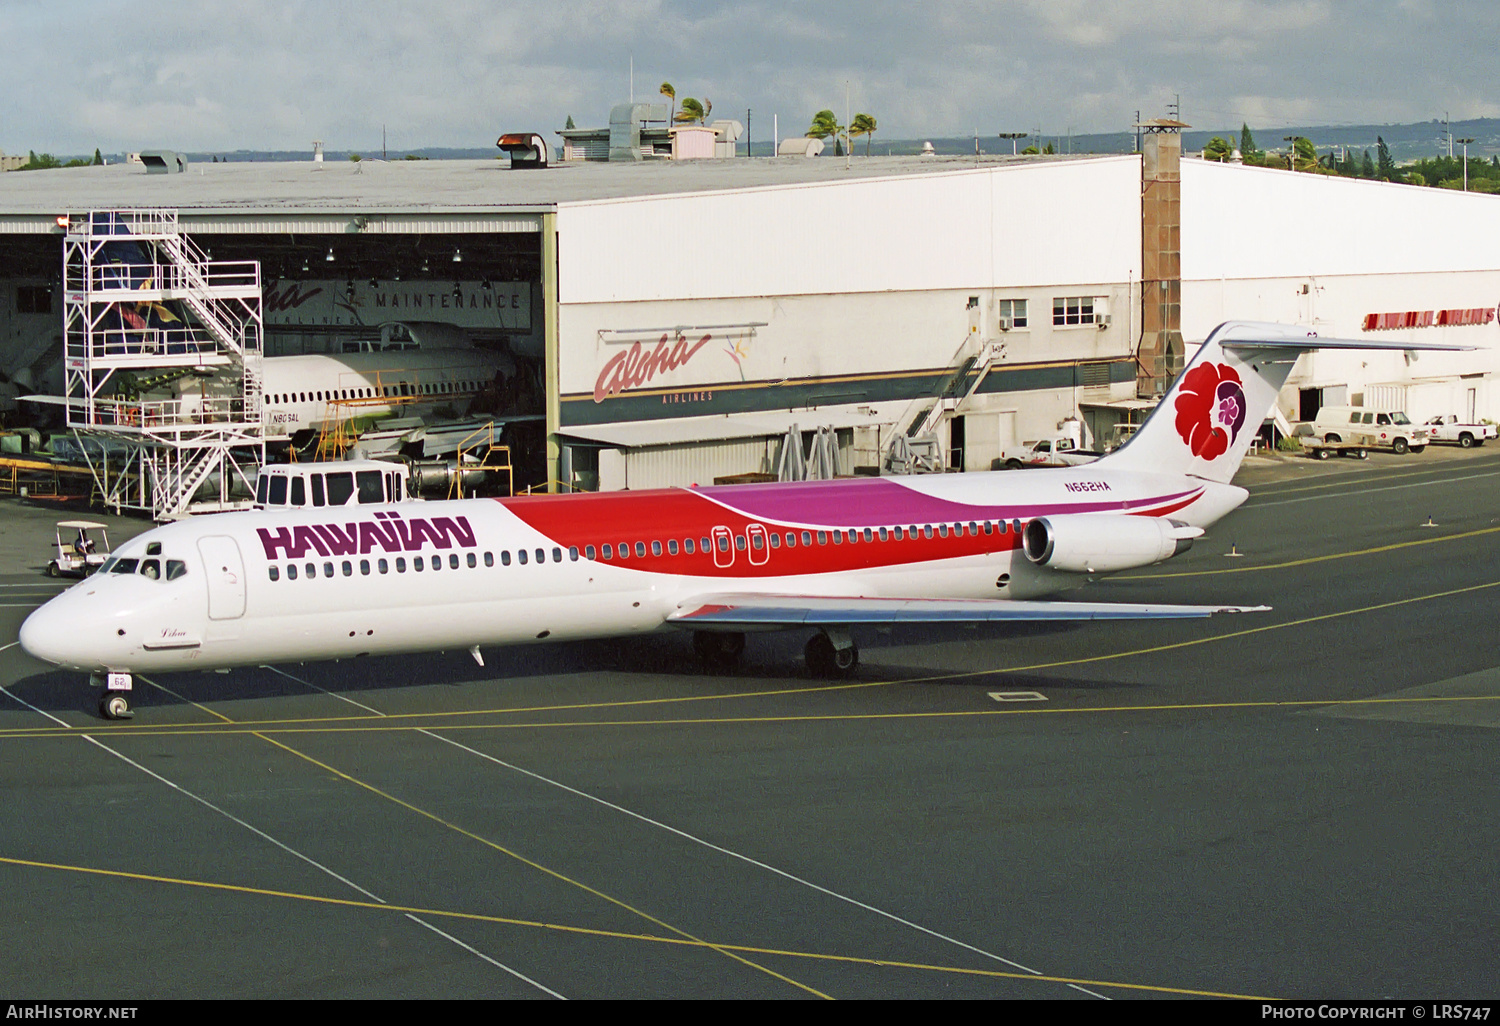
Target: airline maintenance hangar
x: 669, y: 322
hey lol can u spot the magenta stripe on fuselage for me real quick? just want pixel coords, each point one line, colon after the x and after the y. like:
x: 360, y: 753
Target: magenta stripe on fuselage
x: 873, y: 502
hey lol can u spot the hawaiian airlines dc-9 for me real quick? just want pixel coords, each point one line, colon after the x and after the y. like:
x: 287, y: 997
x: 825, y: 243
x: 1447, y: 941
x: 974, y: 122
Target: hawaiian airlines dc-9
x: 826, y: 556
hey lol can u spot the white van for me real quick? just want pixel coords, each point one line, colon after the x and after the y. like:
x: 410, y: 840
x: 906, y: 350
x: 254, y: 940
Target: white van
x: 1359, y: 426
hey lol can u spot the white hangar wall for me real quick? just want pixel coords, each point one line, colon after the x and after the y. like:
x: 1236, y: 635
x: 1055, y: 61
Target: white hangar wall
x: 829, y: 295
x: 1263, y: 244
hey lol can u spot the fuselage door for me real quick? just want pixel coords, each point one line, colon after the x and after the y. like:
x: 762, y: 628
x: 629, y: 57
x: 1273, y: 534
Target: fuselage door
x: 225, y: 570
x: 723, y: 547
x: 760, y: 546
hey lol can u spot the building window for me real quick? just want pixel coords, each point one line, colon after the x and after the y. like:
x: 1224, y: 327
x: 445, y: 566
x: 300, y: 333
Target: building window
x: 1068, y: 310
x: 1012, y: 314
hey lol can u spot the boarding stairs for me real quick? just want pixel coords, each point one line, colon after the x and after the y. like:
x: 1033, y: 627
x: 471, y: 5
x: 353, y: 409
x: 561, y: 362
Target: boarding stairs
x: 916, y: 448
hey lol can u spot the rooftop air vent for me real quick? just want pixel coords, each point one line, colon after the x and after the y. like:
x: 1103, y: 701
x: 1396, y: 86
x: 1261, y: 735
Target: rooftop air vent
x: 163, y: 162
x: 526, y: 149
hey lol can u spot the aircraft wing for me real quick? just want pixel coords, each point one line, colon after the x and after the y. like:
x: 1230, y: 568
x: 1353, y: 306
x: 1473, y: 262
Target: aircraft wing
x: 769, y: 612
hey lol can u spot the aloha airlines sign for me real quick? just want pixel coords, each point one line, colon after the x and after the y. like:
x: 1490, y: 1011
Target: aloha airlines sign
x: 639, y: 364
x: 1428, y: 318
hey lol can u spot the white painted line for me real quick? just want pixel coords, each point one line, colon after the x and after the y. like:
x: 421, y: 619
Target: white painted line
x: 33, y: 708
x: 1018, y: 696
x: 736, y: 855
x: 475, y: 951
x: 330, y: 694
x: 13, y: 644
x: 1368, y: 491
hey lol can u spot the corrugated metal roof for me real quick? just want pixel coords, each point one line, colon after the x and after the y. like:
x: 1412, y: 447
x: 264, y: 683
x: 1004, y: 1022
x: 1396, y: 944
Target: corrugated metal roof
x: 443, y: 189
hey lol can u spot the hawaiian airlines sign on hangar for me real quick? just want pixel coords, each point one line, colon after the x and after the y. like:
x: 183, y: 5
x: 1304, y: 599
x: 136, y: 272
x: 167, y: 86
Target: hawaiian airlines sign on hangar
x: 1428, y: 318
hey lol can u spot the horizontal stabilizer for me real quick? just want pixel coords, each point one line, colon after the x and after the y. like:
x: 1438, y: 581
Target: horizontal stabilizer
x: 768, y: 612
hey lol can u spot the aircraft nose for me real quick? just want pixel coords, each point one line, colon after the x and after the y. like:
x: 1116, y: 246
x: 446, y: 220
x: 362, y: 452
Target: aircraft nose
x: 46, y: 634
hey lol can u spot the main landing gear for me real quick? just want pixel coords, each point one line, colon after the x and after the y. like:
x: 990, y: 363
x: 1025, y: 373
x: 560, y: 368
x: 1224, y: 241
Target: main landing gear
x: 831, y: 653
x: 719, y: 650
x: 114, y: 704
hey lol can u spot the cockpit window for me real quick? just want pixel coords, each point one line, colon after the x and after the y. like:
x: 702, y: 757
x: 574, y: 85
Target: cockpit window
x: 261, y: 487
x: 125, y: 566
x: 153, y: 548
x: 278, y: 491
x: 151, y: 568
x: 109, y: 564
x: 340, y: 487
x: 176, y: 568
x: 371, y: 486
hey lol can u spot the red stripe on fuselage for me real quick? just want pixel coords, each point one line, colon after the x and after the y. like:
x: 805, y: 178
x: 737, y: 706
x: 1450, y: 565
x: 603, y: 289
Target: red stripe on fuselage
x: 617, y: 518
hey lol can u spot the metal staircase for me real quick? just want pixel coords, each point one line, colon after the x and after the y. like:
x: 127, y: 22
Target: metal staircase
x: 146, y: 315
x: 915, y: 449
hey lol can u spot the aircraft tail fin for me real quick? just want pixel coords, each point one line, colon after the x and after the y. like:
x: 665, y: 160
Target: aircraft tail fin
x: 1213, y: 411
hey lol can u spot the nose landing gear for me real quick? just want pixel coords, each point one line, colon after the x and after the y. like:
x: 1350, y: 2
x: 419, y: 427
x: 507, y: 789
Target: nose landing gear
x: 114, y: 704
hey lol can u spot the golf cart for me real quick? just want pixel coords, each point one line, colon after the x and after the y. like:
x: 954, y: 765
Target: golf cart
x: 82, y: 548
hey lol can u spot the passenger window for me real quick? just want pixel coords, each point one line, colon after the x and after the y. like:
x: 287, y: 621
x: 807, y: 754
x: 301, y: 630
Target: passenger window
x: 278, y: 491
x: 791, y: 539
x: 775, y: 540
x: 723, y: 543
x: 489, y: 559
x: 400, y: 564
x: 869, y: 535
x: 640, y: 550
x: 556, y: 555
x: 703, y: 546
x: 437, y: 562
x: 317, y: 489
x: 656, y: 548
x: 838, y: 537
x: 671, y: 546
x: 989, y: 527
x: 312, y: 569
x: 364, y: 567
x: 806, y: 537
x: 383, y: 566
x: 757, y: 543
x: 291, y: 571
x: 275, y: 573
x: 299, y: 492
x: 521, y: 556
x: 541, y: 555
x: 505, y: 557
x: 927, y: 530
x: 609, y: 551
x: 822, y: 537
x: 453, y: 560
x: 176, y: 568
x: 589, y: 552
x: 416, y: 563
x: 884, y: 536
x: 572, y: 553
x: 624, y: 550
x: 472, y: 559
x: 942, y: 530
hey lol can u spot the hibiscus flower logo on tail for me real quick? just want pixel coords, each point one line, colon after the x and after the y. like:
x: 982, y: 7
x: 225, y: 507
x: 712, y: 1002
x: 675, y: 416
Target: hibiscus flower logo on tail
x: 1210, y: 409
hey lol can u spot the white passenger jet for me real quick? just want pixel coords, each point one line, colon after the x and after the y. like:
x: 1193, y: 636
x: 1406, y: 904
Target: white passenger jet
x: 337, y: 581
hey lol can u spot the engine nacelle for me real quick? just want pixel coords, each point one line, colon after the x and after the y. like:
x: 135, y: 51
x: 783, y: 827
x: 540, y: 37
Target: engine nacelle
x: 1100, y: 543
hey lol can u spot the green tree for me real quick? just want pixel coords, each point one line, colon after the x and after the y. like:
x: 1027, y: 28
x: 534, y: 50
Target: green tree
x: 863, y: 124
x: 1349, y: 167
x: 671, y: 95
x: 1367, y: 166
x: 570, y: 122
x: 1247, y: 144
x: 692, y: 111
x: 824, y: 124
x: 1049, y: 148
x: 1030, y: 151
x: 355, y: 158
x: 1218, y: 148
x: 39, y: 161
x: 1304, y: 156
x: 1385, y: 167
x: 98, y: 157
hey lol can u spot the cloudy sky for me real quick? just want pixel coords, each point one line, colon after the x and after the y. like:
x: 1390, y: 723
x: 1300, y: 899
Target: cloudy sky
x: 275, y: 74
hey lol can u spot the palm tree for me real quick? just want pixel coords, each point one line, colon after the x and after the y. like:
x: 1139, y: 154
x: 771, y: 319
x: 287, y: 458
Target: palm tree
x: 671, y: 94
x: 824, y: 124
x: 692, y: 110
x: 863, y: 124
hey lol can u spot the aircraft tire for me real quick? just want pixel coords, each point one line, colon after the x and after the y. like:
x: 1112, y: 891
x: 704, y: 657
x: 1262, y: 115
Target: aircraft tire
x: 114, y: 706
x: 824, y: 660
x: 719, y: 650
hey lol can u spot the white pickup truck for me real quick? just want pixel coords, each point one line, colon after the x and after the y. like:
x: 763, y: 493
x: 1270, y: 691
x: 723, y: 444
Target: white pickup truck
x: 1049, y: 452
x: 1448, y: 429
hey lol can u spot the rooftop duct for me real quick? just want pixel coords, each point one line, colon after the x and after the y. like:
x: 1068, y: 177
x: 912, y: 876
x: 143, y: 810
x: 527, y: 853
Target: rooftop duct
x: 625, y: 121
x: 163, y: 162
